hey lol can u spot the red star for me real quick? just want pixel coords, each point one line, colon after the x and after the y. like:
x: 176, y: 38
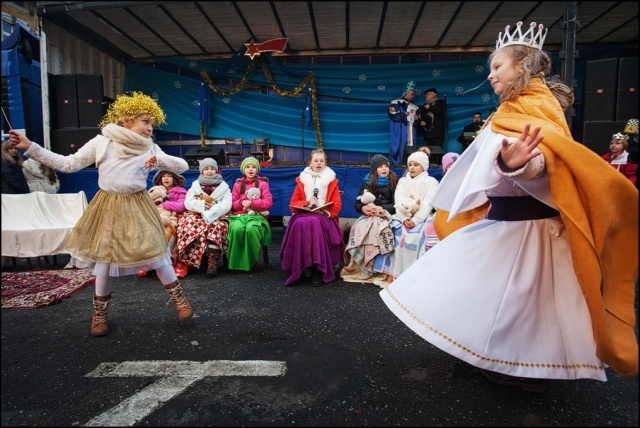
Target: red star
x: 252, y: 49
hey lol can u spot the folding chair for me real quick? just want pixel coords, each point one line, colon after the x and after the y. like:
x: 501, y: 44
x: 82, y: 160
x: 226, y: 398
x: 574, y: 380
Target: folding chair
x: 234, y: 147
x: 260, y: 149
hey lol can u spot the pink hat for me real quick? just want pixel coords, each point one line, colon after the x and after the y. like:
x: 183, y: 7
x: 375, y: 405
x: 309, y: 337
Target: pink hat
x: 448, y: 159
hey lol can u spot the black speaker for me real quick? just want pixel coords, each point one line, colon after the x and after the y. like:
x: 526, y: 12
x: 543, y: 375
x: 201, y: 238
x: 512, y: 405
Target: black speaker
x: 90, y: 97
x: 193, y: 155
x: 597, y: 135
x: 600, y: 90
x: 65, y: 104
x: 627, y: 101
x: 408, y: 150
x: 67, y: 141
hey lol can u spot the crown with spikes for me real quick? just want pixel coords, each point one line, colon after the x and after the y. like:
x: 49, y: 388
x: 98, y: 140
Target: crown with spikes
x: 531, y: 37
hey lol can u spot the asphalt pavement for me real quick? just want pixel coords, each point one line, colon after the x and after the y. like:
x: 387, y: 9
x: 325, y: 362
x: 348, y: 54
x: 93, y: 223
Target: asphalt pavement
x: 258, y: 353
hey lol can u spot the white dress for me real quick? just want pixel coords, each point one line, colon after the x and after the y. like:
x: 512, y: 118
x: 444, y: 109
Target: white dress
x: 500, y: 295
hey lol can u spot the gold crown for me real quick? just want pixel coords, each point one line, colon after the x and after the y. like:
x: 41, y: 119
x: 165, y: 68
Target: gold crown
x: 531, y: 37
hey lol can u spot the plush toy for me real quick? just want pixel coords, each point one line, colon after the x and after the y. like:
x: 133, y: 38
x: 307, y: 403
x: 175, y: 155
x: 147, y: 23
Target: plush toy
x: 169, y: 219
x: 203, y: 197
x: 367, y: 198
x: 407, y: 207
x: 254, y: 194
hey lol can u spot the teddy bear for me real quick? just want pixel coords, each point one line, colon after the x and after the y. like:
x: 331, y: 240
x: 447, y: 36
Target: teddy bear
x: 367, y: 198
x: 406, y: 208
x: 253, y: 194
x: 203, y: 197
x: 169, y: 219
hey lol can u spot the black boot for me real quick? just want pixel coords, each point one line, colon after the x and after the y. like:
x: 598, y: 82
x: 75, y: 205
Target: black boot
x: 212, y: 267
x: 316, y: 277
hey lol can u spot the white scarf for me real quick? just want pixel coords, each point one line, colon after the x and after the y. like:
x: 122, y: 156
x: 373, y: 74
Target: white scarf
x: 317, y: 180
x: 128, y: 143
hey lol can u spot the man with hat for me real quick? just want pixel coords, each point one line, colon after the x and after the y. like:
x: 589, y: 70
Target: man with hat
x: 433, y: 118
x: 402, y: 131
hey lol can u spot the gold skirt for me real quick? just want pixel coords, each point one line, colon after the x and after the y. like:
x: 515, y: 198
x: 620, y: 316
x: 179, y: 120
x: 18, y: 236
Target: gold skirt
x: 119, y: 231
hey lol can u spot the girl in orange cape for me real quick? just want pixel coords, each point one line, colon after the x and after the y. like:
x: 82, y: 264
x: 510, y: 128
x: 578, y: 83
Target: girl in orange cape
x: 547, y: 291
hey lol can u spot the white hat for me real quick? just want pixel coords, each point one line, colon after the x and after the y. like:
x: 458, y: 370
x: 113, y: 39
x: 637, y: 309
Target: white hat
x: 421, y: 158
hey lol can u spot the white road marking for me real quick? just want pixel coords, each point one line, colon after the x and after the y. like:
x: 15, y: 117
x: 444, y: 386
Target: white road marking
x: 175, y: 377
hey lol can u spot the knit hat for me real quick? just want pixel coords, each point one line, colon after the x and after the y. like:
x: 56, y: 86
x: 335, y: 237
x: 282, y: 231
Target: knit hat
x: 178, y: 180
x: 378, y: 160
x: 448, y: 159
x: 421, y: 158
x: 249, y: 161
x: 207, y: 162
x: 434, y: 90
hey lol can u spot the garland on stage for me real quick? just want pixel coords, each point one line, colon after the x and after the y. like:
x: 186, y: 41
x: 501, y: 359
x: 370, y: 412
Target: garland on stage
x: 309, y: 80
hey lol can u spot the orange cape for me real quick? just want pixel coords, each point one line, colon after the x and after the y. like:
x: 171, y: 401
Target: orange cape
x: 599, y: 207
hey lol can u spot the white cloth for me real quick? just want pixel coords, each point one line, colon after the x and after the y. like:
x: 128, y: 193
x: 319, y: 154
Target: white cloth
x: 500, y: 295
x: 38, y: 224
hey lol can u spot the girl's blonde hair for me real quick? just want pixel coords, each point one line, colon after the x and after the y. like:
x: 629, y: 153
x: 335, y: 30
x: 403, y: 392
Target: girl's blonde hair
x: 17, y: 160
x: 535, y: 63
x: 425, y: 149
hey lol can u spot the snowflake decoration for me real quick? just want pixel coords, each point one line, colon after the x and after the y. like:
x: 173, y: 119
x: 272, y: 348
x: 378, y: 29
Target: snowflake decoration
x: 362, y: 77
x: 177, y: 84
x: 479, y: 69
x: 226, y: 100
x: 437, y: 73
x: 195, y: 102
x: 346, y: 90
x: 233, y: 71
x: 155, y: 96
x: 486, y: 98
x: 459, y: 90
x: 381, y: 87
x: 193, y: 64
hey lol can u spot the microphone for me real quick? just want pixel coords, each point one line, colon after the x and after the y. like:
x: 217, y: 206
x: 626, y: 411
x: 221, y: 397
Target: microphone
x: 315, y: 197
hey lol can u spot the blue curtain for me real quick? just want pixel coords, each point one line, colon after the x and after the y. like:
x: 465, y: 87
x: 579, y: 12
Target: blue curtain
x: 352, y: 99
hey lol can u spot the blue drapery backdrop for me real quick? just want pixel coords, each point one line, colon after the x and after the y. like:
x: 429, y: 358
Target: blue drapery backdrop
x: 282, y: 182
x: 352, y: 99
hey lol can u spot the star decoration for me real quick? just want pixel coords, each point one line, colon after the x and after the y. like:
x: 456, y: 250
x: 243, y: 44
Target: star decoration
x: 252, y: 49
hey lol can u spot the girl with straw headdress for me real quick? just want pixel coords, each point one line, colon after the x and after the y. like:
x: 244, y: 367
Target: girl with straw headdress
x: 121, y: 232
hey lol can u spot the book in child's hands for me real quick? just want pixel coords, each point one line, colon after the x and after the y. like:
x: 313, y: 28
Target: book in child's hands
x: 320, y: 208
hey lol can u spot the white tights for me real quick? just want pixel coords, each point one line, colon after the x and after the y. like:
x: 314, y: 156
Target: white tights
x: 104, y: 284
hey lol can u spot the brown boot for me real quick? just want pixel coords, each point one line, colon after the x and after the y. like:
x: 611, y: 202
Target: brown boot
x: 99, y: 325
x: 212, y: 267
x: 182, y: 304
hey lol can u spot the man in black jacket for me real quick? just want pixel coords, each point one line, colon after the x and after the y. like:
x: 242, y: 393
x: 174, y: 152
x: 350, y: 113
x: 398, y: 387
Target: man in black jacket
x: 465, y: 138
x: 433, y: 118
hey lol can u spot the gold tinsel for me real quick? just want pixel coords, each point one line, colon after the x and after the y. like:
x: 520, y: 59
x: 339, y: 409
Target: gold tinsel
x: 127, y: 107
x: 309, y: 79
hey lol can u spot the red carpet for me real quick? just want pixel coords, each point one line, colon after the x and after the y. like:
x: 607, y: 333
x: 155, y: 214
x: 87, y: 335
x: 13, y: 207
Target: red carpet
x: 34, y: 289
